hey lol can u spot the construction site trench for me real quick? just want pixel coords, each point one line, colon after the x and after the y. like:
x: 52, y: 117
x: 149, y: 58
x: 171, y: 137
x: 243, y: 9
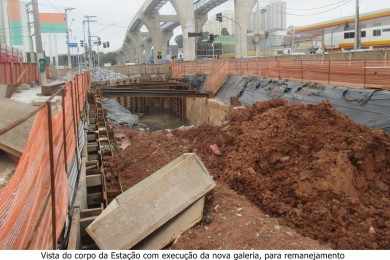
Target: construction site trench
x: 289, y: 174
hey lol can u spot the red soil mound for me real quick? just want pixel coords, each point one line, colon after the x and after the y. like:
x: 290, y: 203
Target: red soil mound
x: 325, y: 175
x: 313, y: 168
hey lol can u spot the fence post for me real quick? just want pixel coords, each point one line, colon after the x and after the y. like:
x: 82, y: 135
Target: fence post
x: 78, y: 109
x: 75, y: 126
x: 302, y: 69
x: 64, y: 129
x: 365, y: 73
x: 278, y: 62
x: 329, y: 67
x: 52, y: 175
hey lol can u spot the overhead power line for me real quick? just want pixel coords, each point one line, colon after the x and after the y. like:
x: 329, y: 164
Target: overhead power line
x: 323, y: 12
x: 319, y: 7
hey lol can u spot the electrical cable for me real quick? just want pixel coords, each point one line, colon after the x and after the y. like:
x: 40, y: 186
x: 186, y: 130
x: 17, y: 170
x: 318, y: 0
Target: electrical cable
x: 318, y: 8
x: 323, y: 12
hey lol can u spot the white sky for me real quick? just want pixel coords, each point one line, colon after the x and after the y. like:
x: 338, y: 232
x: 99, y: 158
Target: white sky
x: 114, y: 15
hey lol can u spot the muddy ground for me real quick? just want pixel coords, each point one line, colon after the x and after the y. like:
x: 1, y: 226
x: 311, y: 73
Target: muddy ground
x: 305, y: 172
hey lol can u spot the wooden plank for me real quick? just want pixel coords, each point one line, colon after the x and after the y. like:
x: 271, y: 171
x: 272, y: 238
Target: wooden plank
x: 94, y: 180
x: 144, y: 208
x: 85, y: 222
x: 14, y: 141
x: 81, y: 200
x: 173, y: 228
x: 86, y: 213
x: 51, y: 88
x: 74, y: 233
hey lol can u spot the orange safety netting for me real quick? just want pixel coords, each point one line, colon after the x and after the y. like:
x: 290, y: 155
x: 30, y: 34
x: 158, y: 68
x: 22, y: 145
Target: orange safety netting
x: 25, y: 202
x: 355, y: 73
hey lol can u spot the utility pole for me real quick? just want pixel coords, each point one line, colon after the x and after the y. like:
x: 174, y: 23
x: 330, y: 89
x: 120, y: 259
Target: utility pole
x: 88, y: 20
x: 30, y: 36
x: 85, y: 45
x: 67, y: 11
x: 38, y: 38
x: 357, y: 26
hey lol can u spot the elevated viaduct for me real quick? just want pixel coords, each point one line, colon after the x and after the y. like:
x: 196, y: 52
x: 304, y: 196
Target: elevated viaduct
x: 191, y: 15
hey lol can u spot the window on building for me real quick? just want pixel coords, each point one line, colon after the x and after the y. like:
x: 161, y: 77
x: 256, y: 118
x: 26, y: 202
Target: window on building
x: 349, y: 35
x: 377, y: 32
x: 363, y: 34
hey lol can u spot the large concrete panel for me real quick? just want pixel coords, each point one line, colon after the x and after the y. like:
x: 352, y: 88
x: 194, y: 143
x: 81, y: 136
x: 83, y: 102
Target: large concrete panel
x: 166, y: 234
x: 141, y: 210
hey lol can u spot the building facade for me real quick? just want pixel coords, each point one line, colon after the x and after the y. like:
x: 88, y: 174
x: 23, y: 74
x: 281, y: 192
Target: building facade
x: 339, y: 34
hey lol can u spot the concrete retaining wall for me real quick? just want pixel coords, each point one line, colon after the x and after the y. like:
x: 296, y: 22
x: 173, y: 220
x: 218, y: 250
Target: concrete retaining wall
x: 206, y: 111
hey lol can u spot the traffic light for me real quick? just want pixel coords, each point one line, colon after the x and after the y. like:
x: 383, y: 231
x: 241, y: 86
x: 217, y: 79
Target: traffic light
x: 219, y: 17
x: 159, y: 55
x: 99, y: 42
x: 82, y: 43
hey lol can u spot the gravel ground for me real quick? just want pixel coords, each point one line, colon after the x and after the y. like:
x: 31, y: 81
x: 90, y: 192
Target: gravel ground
x: 102, y: 74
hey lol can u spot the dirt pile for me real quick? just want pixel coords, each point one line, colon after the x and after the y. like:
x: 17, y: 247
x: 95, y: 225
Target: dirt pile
x: 231, y: 221
x: 311, y: 167
x: 148, y: 152
x: 316, y: 169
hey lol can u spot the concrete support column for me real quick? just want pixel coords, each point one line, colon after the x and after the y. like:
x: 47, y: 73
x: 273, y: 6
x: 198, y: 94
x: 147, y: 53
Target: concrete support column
x: 242, y: 14
x: 120, y: 57
x: 147, y: 50
x: 167, y: 35
x: 136, y: 47
x: 185, y: 11
x: 152, y: 22
x: 200, y: 21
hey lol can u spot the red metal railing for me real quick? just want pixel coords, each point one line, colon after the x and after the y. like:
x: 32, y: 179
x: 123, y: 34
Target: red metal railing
x: 12, y: 69
x: 353, y: 73
x: 9, y: 54
x: 18, y: 73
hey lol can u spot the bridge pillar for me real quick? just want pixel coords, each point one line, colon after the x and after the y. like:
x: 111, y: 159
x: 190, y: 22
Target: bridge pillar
x: 147, y: 50
x: 152, y: 22
x: 242, y: 14
x: 200, y: 21
x: 135, y: 47
x: 185, y: 11
x: 167, y: 35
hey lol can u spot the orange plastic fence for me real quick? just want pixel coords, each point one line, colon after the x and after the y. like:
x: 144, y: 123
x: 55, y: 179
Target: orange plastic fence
x: 26, y: 201
x: 18, y: 73
x: 355, y: 73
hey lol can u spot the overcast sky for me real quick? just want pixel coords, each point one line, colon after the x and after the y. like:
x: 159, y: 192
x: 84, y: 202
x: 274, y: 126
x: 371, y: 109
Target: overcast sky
x: 113, y: 16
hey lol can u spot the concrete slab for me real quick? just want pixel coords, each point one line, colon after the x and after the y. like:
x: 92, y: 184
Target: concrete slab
x: 174, y: 228
x: 141, y: 210
x: 14, y: 141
